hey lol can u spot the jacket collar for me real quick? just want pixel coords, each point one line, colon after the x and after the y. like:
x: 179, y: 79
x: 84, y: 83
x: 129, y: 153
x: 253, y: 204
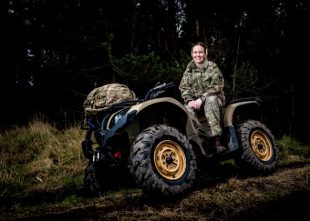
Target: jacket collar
x: 192, y: 65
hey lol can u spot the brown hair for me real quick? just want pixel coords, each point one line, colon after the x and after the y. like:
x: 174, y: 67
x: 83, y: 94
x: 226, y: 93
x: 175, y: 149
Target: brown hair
x: 200, y: 43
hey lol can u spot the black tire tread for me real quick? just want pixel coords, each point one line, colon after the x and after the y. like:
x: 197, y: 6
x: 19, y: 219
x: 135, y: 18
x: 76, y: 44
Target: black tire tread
x: 141, y: 165
x: 247, y: 160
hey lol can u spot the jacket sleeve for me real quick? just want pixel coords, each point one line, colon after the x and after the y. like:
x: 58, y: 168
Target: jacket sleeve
x: 215, y: 85
x: 185, y: 88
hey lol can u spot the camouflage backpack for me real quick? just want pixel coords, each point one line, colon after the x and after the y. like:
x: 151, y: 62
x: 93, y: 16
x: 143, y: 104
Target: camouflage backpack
x: 106, y: 95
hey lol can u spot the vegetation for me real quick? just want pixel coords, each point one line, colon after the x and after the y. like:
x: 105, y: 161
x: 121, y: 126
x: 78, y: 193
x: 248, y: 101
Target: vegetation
x: 56, y: 52
x: 39, y: 158
x: 42, y: 169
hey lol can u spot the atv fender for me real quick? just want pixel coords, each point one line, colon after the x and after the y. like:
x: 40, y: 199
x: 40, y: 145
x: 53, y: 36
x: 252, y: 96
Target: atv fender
x: 231, y: 109
x: 169, y: 109
x: 249, y: 108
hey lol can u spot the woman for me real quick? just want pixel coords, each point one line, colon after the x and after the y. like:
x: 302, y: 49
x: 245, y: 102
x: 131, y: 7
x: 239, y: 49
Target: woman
x: 201, y: 88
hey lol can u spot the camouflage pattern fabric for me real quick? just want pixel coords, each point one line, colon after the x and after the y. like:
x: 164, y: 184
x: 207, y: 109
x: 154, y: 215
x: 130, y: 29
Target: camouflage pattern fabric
x: 212, y: 113
x: 202, y: 82
x: 206, y: 83
x: 106, y: 95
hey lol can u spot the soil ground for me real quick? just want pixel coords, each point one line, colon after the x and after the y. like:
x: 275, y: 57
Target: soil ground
x: 223, y: 194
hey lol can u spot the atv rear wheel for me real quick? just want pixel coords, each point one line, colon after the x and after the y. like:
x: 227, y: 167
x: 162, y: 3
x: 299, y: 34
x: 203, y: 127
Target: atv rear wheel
x: 162, y: 161
x: 259, y: 149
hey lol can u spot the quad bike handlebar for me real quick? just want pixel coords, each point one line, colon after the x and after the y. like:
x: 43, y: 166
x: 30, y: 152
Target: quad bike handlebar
x: 158, y: 89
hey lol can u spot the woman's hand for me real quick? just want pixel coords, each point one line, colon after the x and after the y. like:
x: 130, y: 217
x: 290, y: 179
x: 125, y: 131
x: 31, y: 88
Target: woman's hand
x: 195, y: 104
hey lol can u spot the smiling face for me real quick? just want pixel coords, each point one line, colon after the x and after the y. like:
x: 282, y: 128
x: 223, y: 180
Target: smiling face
x: 199, y: 54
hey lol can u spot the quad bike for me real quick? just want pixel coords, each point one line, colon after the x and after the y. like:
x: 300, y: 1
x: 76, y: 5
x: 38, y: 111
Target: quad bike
x: 155, y: 139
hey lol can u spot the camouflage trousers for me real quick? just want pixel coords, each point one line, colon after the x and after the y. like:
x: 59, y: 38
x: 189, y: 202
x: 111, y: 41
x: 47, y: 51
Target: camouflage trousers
x: 211, y: 109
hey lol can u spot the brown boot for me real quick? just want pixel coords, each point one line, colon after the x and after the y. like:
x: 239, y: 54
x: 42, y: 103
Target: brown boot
x: 217, y: 146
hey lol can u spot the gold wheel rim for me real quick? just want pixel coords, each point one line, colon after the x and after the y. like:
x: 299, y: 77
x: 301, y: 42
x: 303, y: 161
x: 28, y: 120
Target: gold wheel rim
x: 170, y: 160
x: 261, y: 145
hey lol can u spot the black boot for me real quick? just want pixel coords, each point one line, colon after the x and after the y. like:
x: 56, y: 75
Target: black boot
x: 217, y: 147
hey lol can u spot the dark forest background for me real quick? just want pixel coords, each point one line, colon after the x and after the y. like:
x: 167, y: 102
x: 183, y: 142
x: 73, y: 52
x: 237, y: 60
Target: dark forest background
x: 56, y: 51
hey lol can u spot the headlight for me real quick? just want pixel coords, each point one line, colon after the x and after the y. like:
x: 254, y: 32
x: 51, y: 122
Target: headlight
x: 117, y: 117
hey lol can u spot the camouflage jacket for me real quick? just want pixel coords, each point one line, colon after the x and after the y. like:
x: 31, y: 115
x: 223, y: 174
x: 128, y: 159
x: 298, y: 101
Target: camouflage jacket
x: 202, y: 82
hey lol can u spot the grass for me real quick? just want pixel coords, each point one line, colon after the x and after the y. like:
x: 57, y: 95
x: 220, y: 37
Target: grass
x: 38, y: 157
x: 292, y: 151
x: 42, y: 169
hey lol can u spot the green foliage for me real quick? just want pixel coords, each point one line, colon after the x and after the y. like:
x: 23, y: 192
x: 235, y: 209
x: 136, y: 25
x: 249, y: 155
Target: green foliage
x: 70, y: 200
x: 246, y: 77
x: 291, y: 150
x: 149, y: 68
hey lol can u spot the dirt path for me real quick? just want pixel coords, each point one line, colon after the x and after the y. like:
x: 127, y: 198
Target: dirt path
x: 284, y: 195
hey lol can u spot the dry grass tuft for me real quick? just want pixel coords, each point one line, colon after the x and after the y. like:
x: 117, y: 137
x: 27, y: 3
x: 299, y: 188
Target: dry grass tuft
x: 38, y: 157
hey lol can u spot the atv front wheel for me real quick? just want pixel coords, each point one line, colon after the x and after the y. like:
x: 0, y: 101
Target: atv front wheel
x: 100, y: 177
x: 162, y: 161
x: 259, y: 149
x: 91, y: 181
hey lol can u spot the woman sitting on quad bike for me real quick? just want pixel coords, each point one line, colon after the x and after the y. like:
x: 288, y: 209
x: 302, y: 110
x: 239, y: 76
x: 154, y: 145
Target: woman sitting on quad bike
x: 156, y: 141
x: 201, y: 88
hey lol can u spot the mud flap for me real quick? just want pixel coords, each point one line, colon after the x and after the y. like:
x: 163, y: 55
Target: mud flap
x: 232, y: 143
